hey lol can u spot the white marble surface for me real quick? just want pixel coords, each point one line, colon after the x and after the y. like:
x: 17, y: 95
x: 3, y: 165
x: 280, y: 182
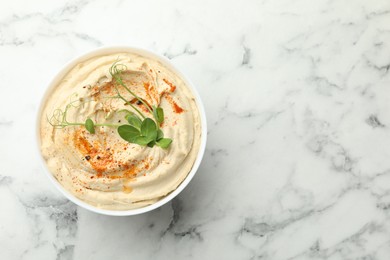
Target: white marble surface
x: 297, y: 95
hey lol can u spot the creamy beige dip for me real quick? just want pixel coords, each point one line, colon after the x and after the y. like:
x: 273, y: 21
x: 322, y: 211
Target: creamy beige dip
x: 102, y: 169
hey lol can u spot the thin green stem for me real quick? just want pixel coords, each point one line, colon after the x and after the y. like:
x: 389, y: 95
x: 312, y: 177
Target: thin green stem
x: 137, y: 97
x: 67, y: 123
x: 109, y: 125
x: 116, y: 73
x: 82, y: 124
x: 127, y: 102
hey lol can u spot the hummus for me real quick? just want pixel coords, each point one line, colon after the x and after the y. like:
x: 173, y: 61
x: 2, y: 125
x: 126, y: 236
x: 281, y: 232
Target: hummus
x: 102, y: 169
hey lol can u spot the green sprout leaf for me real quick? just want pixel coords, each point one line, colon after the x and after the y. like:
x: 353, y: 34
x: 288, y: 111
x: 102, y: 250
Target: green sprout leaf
x: 160, y: 134
x: 158, y: 114
x: 164, y: 143
x: 152, y: 143
x: 134, y: 120
x: 142, y: 140
x: 90, y: 126
x: 149, y: 129
x: 128, y: 133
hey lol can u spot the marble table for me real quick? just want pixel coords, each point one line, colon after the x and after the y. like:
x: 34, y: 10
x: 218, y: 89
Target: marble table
x: 297, y: 96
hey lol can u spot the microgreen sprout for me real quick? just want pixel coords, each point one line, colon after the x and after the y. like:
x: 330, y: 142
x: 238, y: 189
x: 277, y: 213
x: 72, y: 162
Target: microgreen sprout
x: 141, y: 129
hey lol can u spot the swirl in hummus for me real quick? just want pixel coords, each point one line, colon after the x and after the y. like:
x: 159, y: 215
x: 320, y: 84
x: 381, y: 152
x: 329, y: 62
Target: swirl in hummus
x: 102, y: 169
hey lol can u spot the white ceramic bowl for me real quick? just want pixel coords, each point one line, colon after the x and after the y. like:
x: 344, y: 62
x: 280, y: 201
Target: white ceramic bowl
x: 110, y: 50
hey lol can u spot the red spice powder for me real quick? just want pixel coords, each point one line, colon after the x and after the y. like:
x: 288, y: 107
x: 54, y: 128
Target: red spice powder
x: 173, y: 87
x: 151, y: 92
x: 93, y: 151
x: 176, y: 108
x: 147, y: 91
x: 101, y: 160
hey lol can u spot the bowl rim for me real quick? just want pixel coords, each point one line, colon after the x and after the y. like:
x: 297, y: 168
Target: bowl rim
x: 106, y: 50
